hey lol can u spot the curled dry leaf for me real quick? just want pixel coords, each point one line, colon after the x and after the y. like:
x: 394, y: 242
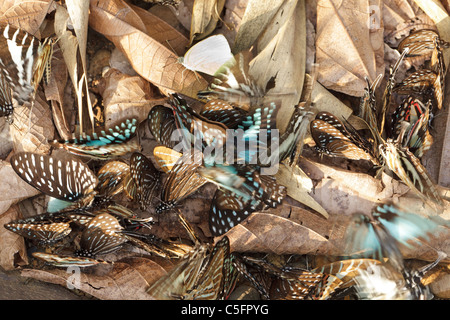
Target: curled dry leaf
x: 128, y: 279
x: 33, y: 126
x: 205, y: 15
x: 12, y: 251
x: 349, y: 45
x: 54, y: 92
x: 142, y: 38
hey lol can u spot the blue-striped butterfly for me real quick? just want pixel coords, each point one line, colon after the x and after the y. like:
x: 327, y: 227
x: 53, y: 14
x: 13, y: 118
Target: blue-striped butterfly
x: 114, y: 142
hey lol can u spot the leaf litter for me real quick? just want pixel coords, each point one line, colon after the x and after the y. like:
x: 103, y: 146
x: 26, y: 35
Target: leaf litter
x: 322, y: 193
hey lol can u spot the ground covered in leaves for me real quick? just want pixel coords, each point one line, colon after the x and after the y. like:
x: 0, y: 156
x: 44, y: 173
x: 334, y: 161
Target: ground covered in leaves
x: 129, y: 51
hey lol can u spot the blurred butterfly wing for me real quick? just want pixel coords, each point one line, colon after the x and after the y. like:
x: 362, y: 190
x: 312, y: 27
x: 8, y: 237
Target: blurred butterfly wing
x: 176, y: 283
x: 208, y: 55
x: 403, y: 226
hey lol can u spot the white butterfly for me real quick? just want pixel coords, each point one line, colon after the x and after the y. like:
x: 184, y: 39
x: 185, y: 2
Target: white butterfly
x: 208, y: 55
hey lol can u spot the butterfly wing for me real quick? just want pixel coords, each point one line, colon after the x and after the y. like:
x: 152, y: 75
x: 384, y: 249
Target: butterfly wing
x: 208, y: 55
x: 68, y: 179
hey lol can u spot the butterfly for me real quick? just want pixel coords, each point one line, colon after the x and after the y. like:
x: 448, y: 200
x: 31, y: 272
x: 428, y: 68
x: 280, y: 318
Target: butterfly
x: 224, y: 112
x: 423, y: 82
x: 415, y: 134
x: 24, y: 61
x: 335, y: 139
x: 100, y: 236
x: 6, y: 103
x: 203, y: 134
x: 146, y: 178
x: 421, y: 42
x: 339, y: 276
x: 233, y: 84
x: 47, y: 228
x: 67, y: 261
x: 410, y: 170
x: 295, y: 133
x: 208, y: 55
x: 200, y: 275
x: 112, y: 177
x: 115, y: 142
x: 161, y: 124
x: 381, y: 234
x: 390, y: 86
x: 67, y: 179
x: 183, y: 179
x: 241, y: 192
x: 47, y: 233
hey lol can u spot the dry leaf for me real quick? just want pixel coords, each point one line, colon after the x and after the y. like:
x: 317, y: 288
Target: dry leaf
x: 125, y: 97
x: 33, y: 126
x: 298, y: 186
x: 128, y: 279
x: 148, y: 56
x: 26, y: 15
x: 256, y: 17
x: 205, y: 16
x: 70, y: 47
x: 285, y: 34
x: 13, y: 252
x: 349, y: 44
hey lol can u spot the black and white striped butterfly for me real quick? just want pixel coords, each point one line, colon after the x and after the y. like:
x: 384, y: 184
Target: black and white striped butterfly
x: 67, y: 179
x: 24, y: 60
x: 242, y: 190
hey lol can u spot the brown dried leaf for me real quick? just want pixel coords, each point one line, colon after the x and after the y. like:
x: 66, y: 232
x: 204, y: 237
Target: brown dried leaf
x: 125, y: 97
x: 285, y: 34
x: 349, y: 44
x: 205, y: 16
x: 146, y: 53
x: 26, y: 15
x: 269, y: 233
x: 13, y: 252
x: 33, y: 126
x: 127, y: 280
x: 70, y: 47
x: 298, y: 186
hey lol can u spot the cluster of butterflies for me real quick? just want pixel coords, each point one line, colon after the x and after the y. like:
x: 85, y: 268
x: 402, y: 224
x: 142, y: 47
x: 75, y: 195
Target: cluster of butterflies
x: 83, y: 210
x: 396, y: 144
